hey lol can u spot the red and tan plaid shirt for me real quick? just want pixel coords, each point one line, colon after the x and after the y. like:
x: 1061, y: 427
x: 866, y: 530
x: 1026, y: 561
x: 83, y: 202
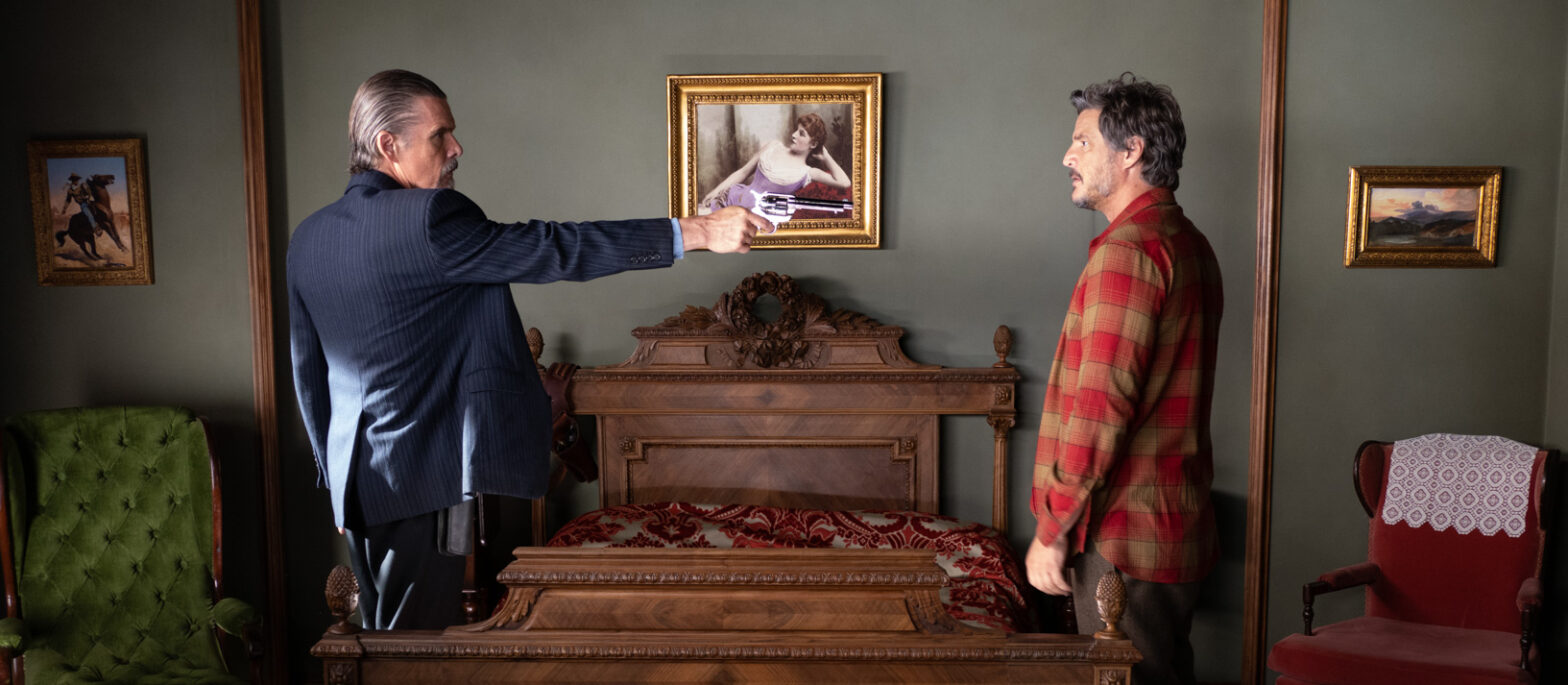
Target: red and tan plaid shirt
x: 1124, y: 436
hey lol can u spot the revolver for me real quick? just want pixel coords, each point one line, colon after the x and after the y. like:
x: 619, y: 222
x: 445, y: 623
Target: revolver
x: 778, y: 207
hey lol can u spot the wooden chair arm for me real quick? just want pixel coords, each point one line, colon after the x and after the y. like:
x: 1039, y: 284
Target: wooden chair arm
x: 1529, y: 594
x: 1364, y: 573
x: 1529, y: 603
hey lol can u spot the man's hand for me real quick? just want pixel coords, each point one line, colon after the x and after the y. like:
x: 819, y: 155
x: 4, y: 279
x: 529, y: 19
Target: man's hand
x: 1046, y: 566
x: 727, y: 230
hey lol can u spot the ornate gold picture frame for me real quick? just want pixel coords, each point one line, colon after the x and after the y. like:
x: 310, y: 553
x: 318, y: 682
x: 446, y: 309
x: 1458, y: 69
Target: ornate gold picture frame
x: 90, y: 212
x: 803, y: 150
x: 1422, y: 216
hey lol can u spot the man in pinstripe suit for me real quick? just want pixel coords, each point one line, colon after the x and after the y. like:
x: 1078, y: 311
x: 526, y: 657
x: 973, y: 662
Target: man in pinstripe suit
x: 410, y: 364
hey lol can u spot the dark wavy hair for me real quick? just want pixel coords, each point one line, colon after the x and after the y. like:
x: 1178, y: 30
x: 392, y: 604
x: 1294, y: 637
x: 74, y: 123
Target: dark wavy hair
x: 1130, y: 107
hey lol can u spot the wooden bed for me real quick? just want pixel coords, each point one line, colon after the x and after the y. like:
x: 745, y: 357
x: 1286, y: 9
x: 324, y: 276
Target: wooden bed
x: 818, y: 409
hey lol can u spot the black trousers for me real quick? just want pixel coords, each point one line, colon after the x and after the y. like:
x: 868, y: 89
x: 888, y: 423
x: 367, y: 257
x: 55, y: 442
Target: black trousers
x: 404, y: 582
x: 1158, y: 619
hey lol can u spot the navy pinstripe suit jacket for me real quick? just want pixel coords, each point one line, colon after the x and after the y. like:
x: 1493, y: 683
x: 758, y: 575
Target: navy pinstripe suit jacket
x: 410, y: 364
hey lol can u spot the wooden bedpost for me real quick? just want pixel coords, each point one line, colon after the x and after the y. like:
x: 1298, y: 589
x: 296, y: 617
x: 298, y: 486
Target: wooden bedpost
x: 1002, y: 417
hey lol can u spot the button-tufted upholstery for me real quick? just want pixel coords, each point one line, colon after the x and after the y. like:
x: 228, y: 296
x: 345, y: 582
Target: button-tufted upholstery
x: 110, y: 514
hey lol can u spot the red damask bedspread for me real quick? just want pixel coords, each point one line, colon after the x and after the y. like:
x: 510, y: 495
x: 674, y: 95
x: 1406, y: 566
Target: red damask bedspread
x: 984, y: 574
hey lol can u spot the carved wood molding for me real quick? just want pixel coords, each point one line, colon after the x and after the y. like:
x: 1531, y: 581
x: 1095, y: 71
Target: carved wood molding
x: 512, y: 613
x: 513, y: 576
x: 342, y: 673
x: 798, y: 339
x: 929, y: 616
x: 892, y: 376
x: 338, y: 648
x: 900, y: 448
x: 804, y: 313
x: 694, y: 649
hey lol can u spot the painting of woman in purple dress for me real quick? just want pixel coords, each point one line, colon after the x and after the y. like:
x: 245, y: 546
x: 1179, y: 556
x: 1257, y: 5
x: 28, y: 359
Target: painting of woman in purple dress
x: 786, y: 165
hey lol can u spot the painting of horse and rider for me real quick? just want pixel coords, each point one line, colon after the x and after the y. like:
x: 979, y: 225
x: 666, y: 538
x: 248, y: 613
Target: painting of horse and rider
x: 89, y: 211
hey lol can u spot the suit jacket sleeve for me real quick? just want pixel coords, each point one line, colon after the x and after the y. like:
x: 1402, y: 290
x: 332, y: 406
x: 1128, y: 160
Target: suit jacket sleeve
x: 310, y: 379
x: 470, y: 248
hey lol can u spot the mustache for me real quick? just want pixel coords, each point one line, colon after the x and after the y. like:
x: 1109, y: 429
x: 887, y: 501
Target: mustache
x: 449, y: 167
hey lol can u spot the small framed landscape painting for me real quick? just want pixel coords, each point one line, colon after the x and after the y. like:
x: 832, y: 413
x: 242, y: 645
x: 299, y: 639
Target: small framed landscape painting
x: 1422, y: 216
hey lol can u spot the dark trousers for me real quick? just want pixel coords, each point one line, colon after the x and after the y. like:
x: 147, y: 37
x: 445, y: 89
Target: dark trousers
x: 404, y: 582
x: 1158, y: 620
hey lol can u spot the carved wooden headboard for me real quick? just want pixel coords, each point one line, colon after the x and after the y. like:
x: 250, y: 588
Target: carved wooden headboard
x: 819, y: 408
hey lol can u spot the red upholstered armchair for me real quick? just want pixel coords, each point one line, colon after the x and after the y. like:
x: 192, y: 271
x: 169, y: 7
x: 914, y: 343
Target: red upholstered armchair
x: 1453, y: 568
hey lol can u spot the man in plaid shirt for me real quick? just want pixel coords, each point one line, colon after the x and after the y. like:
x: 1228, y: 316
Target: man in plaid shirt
x: 1124, y: 462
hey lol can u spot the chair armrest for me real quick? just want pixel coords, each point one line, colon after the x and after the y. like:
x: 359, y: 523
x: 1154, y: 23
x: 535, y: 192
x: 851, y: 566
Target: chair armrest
x: 13, y: 637
x: 234, y: 616
x: 1529, y: 594
x: 1364, y: 573
x: 1529, y: 603
x: 13, y: 634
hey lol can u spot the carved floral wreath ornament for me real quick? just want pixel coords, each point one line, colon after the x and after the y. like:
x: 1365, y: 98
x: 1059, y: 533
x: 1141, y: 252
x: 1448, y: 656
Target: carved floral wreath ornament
x: 782, y: 343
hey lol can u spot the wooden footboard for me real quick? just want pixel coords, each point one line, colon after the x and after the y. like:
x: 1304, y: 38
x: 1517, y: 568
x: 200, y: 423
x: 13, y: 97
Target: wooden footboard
x: 751, y: 615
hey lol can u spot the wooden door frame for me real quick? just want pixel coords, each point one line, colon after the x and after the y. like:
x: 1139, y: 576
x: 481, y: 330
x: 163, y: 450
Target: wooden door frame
x: 265, y: 394
x: 1265, y: 329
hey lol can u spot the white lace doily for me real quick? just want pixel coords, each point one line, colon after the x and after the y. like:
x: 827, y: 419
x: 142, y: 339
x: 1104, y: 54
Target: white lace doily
x: 1467, y: 482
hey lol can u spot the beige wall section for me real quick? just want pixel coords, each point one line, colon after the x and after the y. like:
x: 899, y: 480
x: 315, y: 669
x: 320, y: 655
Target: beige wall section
x: 1391, y: 353
x: 561, y: 107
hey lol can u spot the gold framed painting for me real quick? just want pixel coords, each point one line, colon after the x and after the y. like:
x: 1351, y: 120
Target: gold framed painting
x: 1422, y: 216
x: 90, y: 212
x: 802, y: 150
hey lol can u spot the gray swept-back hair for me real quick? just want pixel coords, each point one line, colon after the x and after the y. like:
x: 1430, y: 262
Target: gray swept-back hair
x: 1130, y: 107
x: 384, y: 102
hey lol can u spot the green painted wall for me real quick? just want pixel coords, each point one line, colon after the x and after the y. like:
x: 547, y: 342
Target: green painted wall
x: 1394, y: 353
x: 164, y: 72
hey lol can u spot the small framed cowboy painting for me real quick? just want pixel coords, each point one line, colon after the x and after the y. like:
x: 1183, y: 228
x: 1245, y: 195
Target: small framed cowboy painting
x: 90, y: 211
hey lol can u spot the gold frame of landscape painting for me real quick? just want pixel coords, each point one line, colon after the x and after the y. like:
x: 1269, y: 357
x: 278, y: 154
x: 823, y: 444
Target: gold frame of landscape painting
x: 1422, y: 216
x: 733, y: 140
x: 90, y: 212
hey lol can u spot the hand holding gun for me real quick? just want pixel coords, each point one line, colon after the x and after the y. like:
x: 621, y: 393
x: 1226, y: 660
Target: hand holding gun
x: 778, y: 207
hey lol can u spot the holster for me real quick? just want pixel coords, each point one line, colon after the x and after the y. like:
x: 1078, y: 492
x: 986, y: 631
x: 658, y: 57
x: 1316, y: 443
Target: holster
x: 565, y: 439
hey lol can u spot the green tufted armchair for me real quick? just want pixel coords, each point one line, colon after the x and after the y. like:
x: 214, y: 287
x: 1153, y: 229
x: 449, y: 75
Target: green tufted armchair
x: 110, y: 548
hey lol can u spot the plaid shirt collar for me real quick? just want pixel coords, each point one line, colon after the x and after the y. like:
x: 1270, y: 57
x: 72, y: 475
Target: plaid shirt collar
x: 1155, y: 196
